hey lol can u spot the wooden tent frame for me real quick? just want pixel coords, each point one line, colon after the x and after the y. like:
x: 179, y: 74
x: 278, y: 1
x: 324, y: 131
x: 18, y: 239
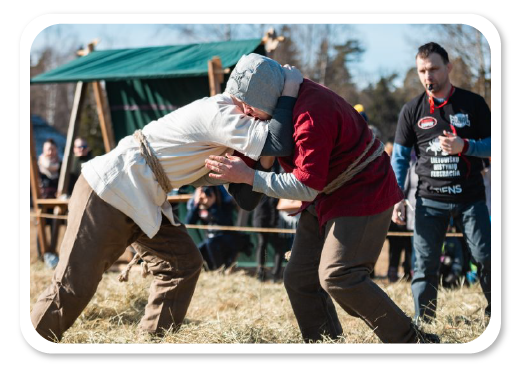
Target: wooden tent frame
x: 215, y: 79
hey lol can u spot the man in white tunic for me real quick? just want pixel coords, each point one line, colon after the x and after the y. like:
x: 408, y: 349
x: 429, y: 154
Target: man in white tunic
x: 121, y: 197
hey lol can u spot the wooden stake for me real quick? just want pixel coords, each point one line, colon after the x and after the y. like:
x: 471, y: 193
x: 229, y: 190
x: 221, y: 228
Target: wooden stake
x: 215, y: 75
x: 79, y: 99
x: 105, y: 123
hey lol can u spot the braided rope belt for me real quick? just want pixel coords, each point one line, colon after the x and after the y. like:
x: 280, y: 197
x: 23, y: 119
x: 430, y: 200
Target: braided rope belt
x: 354, y: 167
x: 153, y: 162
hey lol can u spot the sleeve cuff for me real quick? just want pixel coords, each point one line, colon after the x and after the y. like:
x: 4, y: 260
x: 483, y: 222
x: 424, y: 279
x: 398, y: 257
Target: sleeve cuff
x: 465, y: 146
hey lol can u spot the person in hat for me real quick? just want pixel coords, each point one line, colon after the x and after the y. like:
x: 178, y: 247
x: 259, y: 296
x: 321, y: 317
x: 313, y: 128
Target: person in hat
x: 348, y: 190
x: 120, y: 198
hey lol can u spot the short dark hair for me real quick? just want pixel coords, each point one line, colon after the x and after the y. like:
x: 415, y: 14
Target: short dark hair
x: 432, y: 48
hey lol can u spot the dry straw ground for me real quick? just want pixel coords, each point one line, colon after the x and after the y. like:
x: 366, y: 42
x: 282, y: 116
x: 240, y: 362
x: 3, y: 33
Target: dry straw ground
x: 236, y: 308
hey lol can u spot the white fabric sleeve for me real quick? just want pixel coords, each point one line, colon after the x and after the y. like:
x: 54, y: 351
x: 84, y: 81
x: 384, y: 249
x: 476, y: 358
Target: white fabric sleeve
x: 282, y: 185
x: 239, y: 131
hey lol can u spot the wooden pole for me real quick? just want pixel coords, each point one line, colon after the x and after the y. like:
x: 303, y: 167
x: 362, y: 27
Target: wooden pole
x: 35, y: 193
x: 216, y: 75
x: 215, y: 88
x: 105, y: 123
x: 79, y: 99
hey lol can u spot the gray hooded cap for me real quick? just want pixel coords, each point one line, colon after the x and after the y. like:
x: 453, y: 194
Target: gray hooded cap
x: 258, y: 81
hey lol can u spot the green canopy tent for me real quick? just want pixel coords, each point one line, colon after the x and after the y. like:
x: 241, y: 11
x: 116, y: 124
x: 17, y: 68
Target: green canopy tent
x: 141, y: 85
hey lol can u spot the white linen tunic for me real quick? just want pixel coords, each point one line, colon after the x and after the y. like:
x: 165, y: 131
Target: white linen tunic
x: 181, y: 140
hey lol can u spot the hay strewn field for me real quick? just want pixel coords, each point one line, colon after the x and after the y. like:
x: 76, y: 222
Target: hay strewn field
x: 236, y: 308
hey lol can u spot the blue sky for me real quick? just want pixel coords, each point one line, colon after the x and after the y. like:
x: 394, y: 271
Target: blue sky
x: 389, y: 47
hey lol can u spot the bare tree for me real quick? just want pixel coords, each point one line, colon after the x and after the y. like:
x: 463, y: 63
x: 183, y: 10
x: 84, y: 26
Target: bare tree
x: 468, y: 44
x: 53, y: 101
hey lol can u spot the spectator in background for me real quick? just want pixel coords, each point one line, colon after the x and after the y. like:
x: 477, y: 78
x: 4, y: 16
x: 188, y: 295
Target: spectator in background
x: 361, y: 110
x: 49, y: 165
x: 449, y: 129
x: 398, y: 244
x: 82, y: 154
x: 487, y: 180
x: 410, y: 188
x: 266, y: 215
x: 210, y: 207
x: 288, y: 218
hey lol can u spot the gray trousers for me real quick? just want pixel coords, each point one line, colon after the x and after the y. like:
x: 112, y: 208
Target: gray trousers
x: 97, y: 235
x: 336, y: 264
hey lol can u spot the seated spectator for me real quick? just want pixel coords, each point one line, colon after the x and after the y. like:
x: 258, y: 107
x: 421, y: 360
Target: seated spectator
x: 49, y: 165
x: 210, y: 207
x: 82, y: 154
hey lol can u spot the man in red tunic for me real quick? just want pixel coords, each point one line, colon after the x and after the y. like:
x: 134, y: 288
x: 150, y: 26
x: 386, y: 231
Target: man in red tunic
x: 343, y: 223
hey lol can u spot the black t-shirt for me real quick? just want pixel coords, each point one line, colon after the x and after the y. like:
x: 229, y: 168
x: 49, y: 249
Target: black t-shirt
x: 443, y: 177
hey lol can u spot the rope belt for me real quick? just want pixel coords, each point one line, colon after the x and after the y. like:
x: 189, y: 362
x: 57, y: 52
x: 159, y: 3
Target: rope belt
x: 153, y: 162
x: 355, y: 167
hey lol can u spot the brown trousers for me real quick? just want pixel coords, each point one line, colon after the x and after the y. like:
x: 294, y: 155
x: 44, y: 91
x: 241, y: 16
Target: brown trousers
x: 97, y: 235
x: 337, y: 264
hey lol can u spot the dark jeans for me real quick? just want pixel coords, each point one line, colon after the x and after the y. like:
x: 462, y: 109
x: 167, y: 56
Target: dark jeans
x: 432, y: 219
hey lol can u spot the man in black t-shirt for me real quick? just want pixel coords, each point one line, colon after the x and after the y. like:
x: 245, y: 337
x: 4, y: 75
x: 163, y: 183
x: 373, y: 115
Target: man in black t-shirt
x: 449, y: 129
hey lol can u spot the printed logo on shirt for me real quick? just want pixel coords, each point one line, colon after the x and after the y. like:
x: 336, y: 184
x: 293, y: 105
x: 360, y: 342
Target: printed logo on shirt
x: 460, y: 120
x: 427, y: 122
x: 435, y: 147
x: 454, y: 189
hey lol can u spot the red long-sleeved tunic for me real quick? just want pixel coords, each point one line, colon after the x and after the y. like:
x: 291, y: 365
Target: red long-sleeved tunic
x: 329, y: 135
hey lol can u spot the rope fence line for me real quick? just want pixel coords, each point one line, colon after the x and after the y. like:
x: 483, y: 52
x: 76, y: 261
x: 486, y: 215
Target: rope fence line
x: 246, y: 229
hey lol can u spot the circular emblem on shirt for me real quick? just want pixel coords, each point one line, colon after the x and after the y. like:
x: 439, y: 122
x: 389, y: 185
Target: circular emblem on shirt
x: 427, y: 122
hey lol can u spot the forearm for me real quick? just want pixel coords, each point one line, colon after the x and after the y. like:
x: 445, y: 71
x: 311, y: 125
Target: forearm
x: 244, y: 195
x: 279, y: 142
x: 283, y: 185
x: 400, y: 162
x: 479, y: 148
x: 206, y: 180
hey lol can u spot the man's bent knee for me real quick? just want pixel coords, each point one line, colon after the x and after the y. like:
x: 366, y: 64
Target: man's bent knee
x: 342, y: 280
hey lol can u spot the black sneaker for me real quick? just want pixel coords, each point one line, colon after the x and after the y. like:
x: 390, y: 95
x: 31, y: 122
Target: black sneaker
x: 425, y: 338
